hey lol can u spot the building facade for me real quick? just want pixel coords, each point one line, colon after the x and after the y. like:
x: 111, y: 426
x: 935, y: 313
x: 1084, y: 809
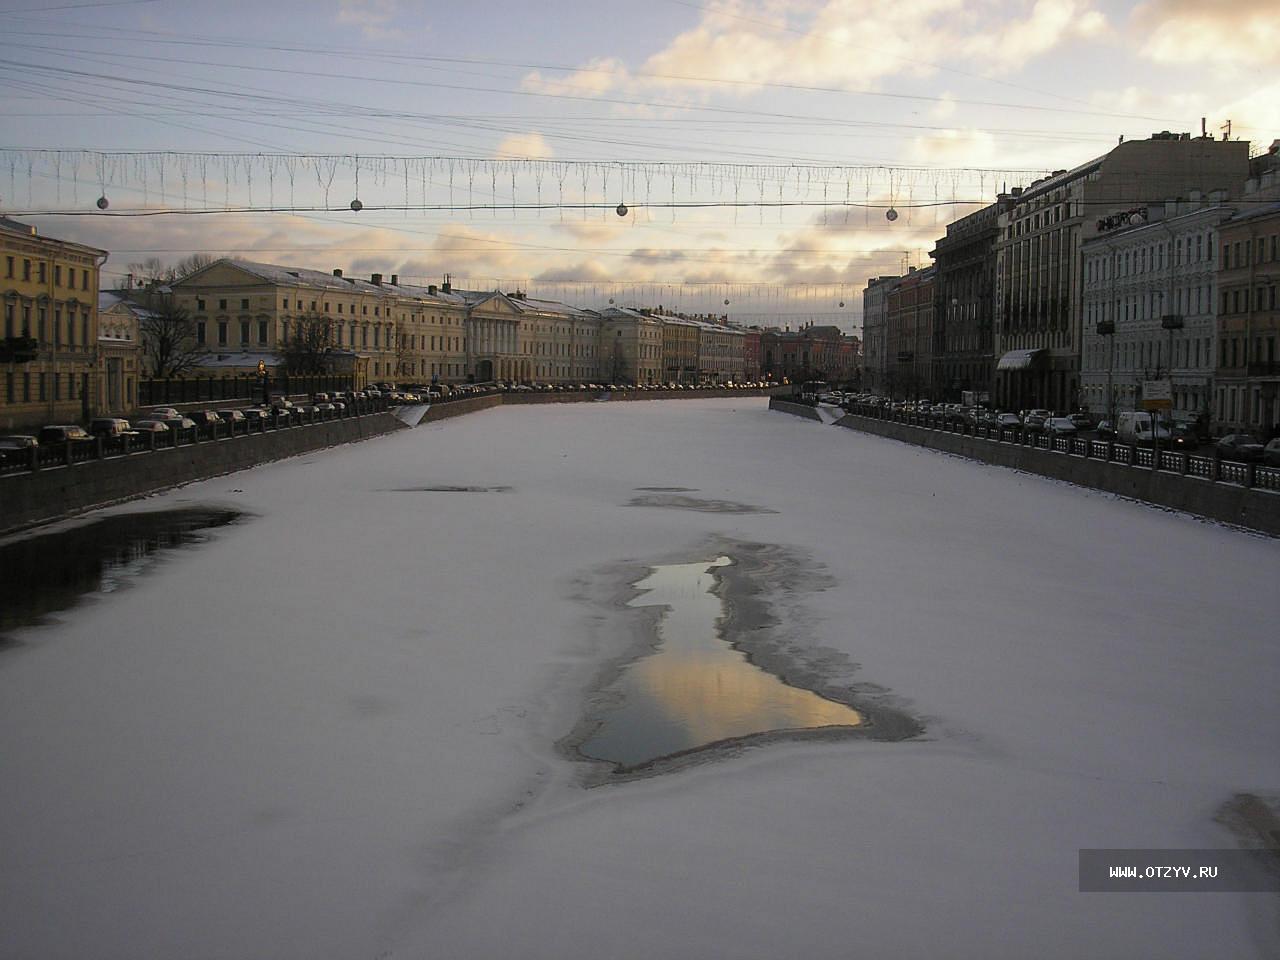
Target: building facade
x: 1151, y: 284
x: 119, y: 353
x: 875, y: 318
x: 49, y: 354
x: 909, y: 335
x: 630, y: 346
x: 964, y: 315
x: 1248, y: 362
x: 679, y: 350
x: 1038, y: 314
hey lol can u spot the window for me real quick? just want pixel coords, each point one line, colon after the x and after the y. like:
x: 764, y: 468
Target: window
x: 244, y: 303
x: 284, y: 304
x: 326, y: 306
x: 222, y: 333
x: 339, y: 308
x: 244, y: 332
x: 262, y: 331
x: 199, y: 304
x: 42, y: 316
x: 8, y: 272
x: 42, y: 387
x: 26, y: 271
x: 200, y: 332
x: 8, y: 385
x: 84, y: 328
x: 84, y: 279
x: 57, y: 274
x: 222, y: 304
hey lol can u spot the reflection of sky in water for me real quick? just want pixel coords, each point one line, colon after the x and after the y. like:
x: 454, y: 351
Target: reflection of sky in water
x: 696, y: 689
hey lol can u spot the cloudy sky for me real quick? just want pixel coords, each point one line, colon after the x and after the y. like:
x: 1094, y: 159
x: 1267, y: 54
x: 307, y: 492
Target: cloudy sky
x: 495, y: 139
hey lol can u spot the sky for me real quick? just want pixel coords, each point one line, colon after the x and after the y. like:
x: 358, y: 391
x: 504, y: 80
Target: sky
x: 755, y: 145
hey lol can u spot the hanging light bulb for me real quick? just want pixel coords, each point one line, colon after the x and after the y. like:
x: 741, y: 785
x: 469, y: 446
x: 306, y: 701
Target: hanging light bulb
x: 356, y: 205
x: 726, y: 303
x: 103, y: 202
x: 622, y: 210
x: 891, y: 214
x: 842, y: 303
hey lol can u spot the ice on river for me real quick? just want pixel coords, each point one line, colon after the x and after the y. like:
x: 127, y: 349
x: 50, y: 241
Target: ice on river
x: 332, y: 730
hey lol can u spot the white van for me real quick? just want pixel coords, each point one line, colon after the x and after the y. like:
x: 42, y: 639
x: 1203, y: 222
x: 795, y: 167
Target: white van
x: 1134, y: 426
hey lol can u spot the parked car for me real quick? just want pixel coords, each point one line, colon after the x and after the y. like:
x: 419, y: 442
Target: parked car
x: 1270, y: 453
x: 1004, y: 420
x: 231, y: 416
x: 1060, y: 427
x: 1243, y: 447
x: 65, y: 433
x: 150, y: 426
x: 1106, y: 430
x: 1081, y: 421
x: 205, y: 418
x: 109, y: 427
x: 18, y: 441
x: 1183, y: 437
x: 161, y: 413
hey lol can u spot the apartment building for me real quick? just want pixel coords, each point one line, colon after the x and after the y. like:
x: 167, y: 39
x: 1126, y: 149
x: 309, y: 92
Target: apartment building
x: 630, y: 346
x: 120, y: 361
x: 1038, y: 333
x: 1148, y: 301
x: 875, y: 316
x: 49, y: 354
x: 909, y: 318
x: 1248, y: 361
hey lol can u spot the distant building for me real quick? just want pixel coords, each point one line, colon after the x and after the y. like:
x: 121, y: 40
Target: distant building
x: 679, y: 350
x: 909, y: 335
x: 49, y: 354
x: 812, y: 352
x: 875, y: 318
x: 630, y: 346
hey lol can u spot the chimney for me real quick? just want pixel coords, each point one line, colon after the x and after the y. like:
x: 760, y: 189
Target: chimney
x: 431, y: 289
x: 337, y: 273
x: 446, y: 287
x: 395, y: 279
x: 376, y: 279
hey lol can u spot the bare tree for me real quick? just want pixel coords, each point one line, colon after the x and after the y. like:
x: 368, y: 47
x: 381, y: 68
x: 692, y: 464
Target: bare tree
x: 154, y: 271
x: 169, y: 346
x: 310, y: 347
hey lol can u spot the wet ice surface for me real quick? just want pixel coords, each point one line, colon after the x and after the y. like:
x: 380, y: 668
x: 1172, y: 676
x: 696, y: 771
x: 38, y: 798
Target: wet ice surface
x: 449, y: 488
x: 696, y: 503
x: 51, y: 572
x: 696, y: 689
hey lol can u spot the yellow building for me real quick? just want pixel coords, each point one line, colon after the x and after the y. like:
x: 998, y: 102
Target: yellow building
x: 679, y: 350
x: 246, y: 310
x: 49, y: 354
x: 431, y: 334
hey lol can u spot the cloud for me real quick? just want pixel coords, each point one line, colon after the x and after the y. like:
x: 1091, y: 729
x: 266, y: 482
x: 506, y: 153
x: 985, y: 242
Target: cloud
x: 1049, y: 23
x: 738, y: 45
x: 524, y: 146
x: 371, y: 16
x: 1226, y: 32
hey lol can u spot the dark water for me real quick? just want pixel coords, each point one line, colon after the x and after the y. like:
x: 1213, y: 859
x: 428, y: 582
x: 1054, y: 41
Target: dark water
x: 696, y: 689
x: 44, y: 574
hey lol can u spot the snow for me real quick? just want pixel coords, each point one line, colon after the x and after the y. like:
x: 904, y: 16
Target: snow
x: 330, y: 731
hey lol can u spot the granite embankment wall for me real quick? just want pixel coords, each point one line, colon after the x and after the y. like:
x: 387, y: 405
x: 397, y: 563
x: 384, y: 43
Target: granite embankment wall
x: 1247, y: 507
x: 795, y: 409
x: 31, y: 498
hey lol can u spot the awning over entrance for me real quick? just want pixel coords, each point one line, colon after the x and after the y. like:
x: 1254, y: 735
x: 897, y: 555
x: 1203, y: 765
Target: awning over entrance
x: 1019, y: 359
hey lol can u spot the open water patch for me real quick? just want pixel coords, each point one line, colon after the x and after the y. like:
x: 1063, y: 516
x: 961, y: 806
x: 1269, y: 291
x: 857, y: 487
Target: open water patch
x: 678, y: 502
x: 53, y: 571
x: 718, y: 662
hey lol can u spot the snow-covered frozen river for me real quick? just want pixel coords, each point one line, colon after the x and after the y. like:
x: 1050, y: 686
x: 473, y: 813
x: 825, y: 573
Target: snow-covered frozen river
x: 342, y: 727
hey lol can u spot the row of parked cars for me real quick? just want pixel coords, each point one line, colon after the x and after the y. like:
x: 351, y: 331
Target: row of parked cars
x: 1136, y: 427
x: 165, y: 420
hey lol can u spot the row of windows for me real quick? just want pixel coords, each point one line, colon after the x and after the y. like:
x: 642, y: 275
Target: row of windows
x: 1237, y: 301
x: 18, y: 321
x: 1241, y: 253
x: 27, y: 387
x: 42, y: 275
x: 1264, y: 349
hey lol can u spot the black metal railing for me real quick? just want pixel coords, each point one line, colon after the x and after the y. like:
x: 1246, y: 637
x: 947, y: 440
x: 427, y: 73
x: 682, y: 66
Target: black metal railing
x: 1212, y: 468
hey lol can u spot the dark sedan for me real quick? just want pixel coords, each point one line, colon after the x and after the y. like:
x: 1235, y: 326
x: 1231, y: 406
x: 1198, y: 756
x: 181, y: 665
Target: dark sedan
x: 1239, y: 446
